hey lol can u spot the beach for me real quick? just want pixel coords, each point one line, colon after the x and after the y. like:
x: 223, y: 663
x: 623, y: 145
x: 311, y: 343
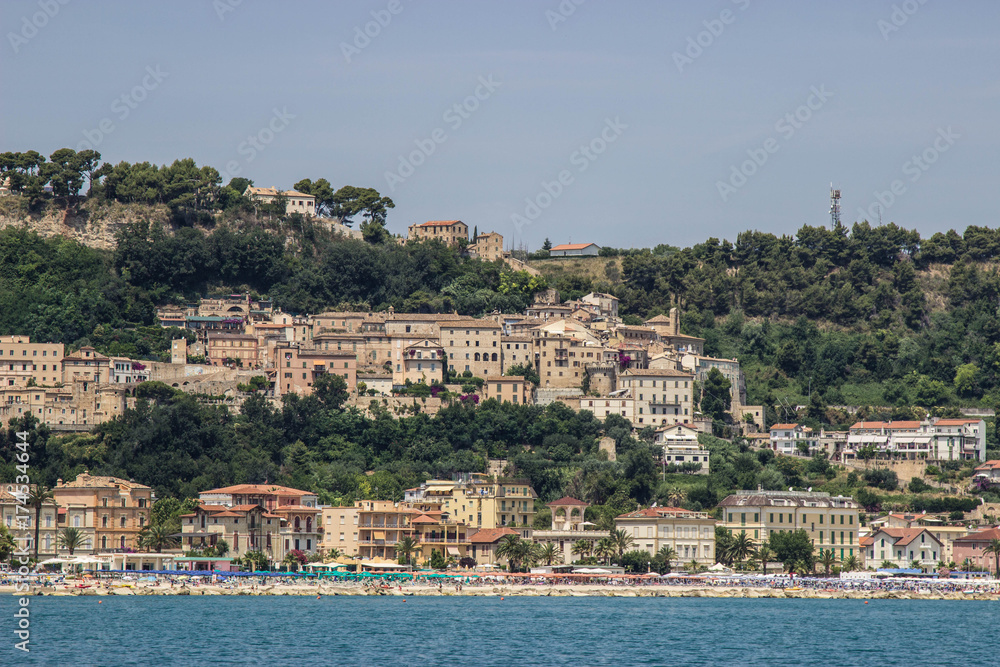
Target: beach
x: 883, y: 591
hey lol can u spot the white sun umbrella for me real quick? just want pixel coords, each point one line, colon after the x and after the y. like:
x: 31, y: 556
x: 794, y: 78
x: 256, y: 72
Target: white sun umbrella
x: 53, y: 561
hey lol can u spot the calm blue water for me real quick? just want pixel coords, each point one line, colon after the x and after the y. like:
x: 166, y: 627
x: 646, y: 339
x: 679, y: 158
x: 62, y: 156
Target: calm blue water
x: 487, y: 631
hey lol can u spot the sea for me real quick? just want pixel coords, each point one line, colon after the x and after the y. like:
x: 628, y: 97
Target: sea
x: 509, y: 631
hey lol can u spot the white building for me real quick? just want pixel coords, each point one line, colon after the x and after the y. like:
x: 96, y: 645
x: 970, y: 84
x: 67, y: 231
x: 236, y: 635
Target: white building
x: 295, y: 201
x: 785, y: 439
x: 933, y: 439
x: 680, y: 445
x: 575, y: 249
x: 901, y: 547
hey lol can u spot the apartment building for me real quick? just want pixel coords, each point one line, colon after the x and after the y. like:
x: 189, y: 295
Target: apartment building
x: 23, y: 524
x: 901, y: 547
x: 244, y: 528
x: 340, y: 530
x: 830, y: 521
x: 478, y: 501
x: 680, y: 446
x: 86, y: 365
x: 511, y: 389
x: 449, y: 232
x: 488, y: 247
x: 787, y: 438
x: 381, y: 525
x: 110, y: 512
x: 22, y: 361
x: 297, y: 511
x: 690, y: 534
x: 662, y: 395
x: 472, y: 345
x: 296, y: 368
x: 516, y: 350
x: 232, y: 348
x: 933, y: 439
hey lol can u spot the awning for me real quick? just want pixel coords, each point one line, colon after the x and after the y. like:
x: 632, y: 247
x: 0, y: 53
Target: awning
x: 453, y: 551
x: 378, y: 534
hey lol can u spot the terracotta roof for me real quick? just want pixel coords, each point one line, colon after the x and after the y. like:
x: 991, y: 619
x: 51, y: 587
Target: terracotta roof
x: 566, y: 500
x: 87, y: 480
x: 784, y: 427
x: 955, y: 422
x: 423, y: 518
x: 993, y: 464
x: 571, y: 246
x: 271, y: 489
x: 491, y: 535
x: 904, y: 536
x: 654, y: 512
x: 213, y: 508
x: 867, y: 541
x: 981, y: 536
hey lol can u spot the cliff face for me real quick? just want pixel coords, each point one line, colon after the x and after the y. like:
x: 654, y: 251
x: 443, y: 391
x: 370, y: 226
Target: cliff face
x: 91, y: 224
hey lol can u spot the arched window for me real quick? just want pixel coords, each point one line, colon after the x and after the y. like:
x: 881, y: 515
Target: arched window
x: 297, y: 524
x: 309, y: 524
x: 477, y: 356
x: 494, y: 356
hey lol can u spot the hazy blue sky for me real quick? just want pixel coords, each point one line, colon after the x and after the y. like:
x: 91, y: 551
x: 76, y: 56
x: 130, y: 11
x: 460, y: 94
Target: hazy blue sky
x: 886, y: 81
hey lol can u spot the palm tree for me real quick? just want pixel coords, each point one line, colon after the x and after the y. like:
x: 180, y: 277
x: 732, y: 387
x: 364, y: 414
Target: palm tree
x: 334, y: 554
x: 515, y: 550
x: 850, y: 564
x: 827, y: 559
x: 38, y: 496
x: 887, y: 565
x: 622, y: 541
x: 693, y: 566
x: 667, y: 555
x: 605, y: 549
x: 992, y: 548
x: 72, y: 539
x: 221, y: 548
x: 548, y: 553
x: 583, y: 548
x: 968, y: 565
x: 156, y: 537
x: 742, y: 546
x: 405, y: 547
x: 676, y: 495
x: 765, y: 554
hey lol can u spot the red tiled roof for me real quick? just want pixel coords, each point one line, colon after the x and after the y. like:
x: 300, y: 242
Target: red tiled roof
x: 981, y: 536
x: 566, y: 500
x: 784, y: 427
x: 423, y: 518
x: 654, y: 512
x: 272, y: 489
x: 905, y: 535
x: 571, y: 246
x: 955, y: 422
x: 491, y: 535
x: 992, y: 464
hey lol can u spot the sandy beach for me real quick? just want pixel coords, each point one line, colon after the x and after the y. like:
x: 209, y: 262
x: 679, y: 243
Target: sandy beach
x: 504, y: 590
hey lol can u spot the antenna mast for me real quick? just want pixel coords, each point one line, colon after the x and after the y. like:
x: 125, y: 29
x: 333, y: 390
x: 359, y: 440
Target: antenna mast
x: 834, y: 206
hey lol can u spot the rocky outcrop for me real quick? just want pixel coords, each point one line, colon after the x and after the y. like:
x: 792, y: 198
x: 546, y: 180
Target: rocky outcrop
x: 92, y: 224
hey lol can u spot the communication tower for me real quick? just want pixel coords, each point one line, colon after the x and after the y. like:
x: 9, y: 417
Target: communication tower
x: 834, y: 206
